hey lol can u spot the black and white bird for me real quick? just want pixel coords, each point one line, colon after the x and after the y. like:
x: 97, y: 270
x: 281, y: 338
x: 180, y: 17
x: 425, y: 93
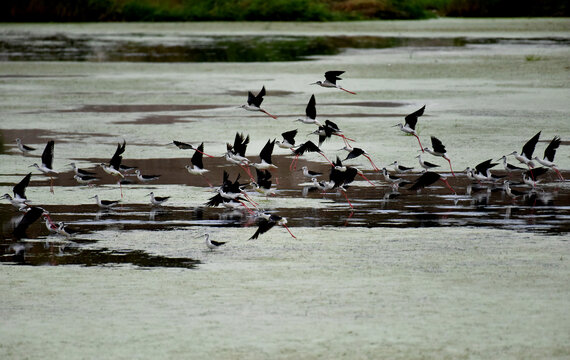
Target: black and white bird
x: 185, y: 146
x: 310, y: 113
x: 549, y: 153
x: 400, y: 168
x: 354, y: 152
x: 438, y: 149
x: 157, y: 200
x: 307, y: 146
x: 394, y: 181
x: 409, y: 127
x: 79, y: 171
x: 331, y: 78
x: 197, y: 164
x: 263, y: 183
x: 265, y: 162
x: 309, y: 173
x: 267, y: 221
x: 509, y: 168
x: 105, y: 204
x: 288, y: 140
x: 254, y: 102
x: 64, y: 230
x: 19, y: 190
x: 429, y: 178
x: 426, y: 164
x: 512, y: 193
x: 47, y: 163
x: 212, y: 244
x: 146, y: 178
x: 23, y: 147
x: 525, y: 157
x: 85, y: 179
x: 32, y: 215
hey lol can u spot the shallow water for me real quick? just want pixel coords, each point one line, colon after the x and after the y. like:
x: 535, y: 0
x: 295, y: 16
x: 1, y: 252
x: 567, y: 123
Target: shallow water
x: 390, y: 276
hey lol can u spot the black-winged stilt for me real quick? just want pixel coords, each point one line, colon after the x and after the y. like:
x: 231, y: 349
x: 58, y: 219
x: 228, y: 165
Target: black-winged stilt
x: 52, y: 228
x: 32, y: 214
x: 426, y: 164
x: 212, y: 244
x: 114, y: 166
x: 438, y: 149
x: 512, y: 193
x: 308, y: 146
x: 157, y: 200
x: 236, y: 153
x: 310, y: 113
x: 197, y: 167
x: 85, y: 179
x: 24, y: 148
x: 267, y: 221
x: 186, y: 146
x: 146, y: 178
x: 427, y: 179
x: 400, y: 168
x: 309, y: 173
x: 525, y: 157
x: 263, y: 183
x: 509, y: 168
x: 105, y: 204
x: 354, y: 152
x: 67, y: 231
x: 394, y: 181
x: 409, y: 126
x: 288, y: 140
x: 265, y: 162
x: 549, y: 153
x: 254, y: 102
x: 47, y: 163
x: 330, y: 81
x: 19, y: 191
x: 79, y: 171
x: 530, y: 177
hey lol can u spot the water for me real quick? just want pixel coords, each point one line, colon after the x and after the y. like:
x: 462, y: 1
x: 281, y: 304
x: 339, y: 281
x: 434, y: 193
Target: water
x: 391, y: 276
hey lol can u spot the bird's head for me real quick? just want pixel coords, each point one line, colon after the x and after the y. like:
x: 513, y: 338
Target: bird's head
x: 317, y: 83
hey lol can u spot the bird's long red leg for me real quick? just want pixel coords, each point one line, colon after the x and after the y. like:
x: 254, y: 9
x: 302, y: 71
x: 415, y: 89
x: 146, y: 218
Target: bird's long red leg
x: 365, y: 178
x: 449, y: 186
x: 208, y: 181
x: 346, y: 197
x: 348, y: 91
x: 530, y: 171
x: 121, y: 188
x: 247, y: 172
x: 203, y: 153
x: 250, y: 199
x: 294, y: 162
x: 265, y: 112
x: 290, y: 233
x: 421, y: 147
x: 323, y: 155
x: 372, y: 163
x: 245, y: 206
x: 51, y: 185
x: 449, y: 161
x: 559, y: 174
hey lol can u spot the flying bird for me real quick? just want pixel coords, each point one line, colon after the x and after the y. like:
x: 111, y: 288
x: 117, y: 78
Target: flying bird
x: 409, y: 126
x: 254, y: 102
x: 438, y: 149
x: 47, y: 163
x: 330, y: 81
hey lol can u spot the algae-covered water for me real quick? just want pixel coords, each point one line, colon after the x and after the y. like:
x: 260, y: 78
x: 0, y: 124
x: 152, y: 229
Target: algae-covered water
x: 434, y: 274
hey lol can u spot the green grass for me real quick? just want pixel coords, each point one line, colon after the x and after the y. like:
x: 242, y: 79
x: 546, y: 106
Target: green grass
x: 269, y: 10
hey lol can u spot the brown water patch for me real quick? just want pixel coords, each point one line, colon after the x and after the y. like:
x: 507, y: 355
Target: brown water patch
x: 156, y: 120
x: 369, y: 104
x: 141, y: 108
x: 255, y: 91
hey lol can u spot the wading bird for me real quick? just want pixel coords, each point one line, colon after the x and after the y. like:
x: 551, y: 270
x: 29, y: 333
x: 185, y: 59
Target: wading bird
x: 330, y: 81
x: 265, y: 162
x: 525, y: 157
x: 288, y: 140
x: 114, y: 166
x: 254, y: 102
x: 429, y: 178
x: 197, y: 164
x: 184, y: 146
x: 356, y: 152
x: 439, y: 150
x: 409, y: 126
x: 212, y: 244
x: 146, y: 178
x: 267, y: 221
x: 105, y: 204
x: 24, y: 148
x: 426, y: 164
x: 308, y: 146
x: 400, y: 168
x: 19, y: 191
x: 47, y: 163
x: 310, y: 113
x: 548, y: 159
x: 157, y: 200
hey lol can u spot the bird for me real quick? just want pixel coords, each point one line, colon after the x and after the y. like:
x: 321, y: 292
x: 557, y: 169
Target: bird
x: 340, y: 177
x: 409, y: 126
x: 400, y: 168
x: 254, y: 102
x: 24, y: 148
x: 356, y: 152
x: 105, y: 204
x: 307, y: 146
x: 395, y: 181
x: 482, y: 170
x: 310, y: 113
x: 428, y: 178
x: 19, y: 191
x: 509, y: 168
x: 530, y: 177
x: 197, y: 167
x: 268, y: 221
x: 439, y: 150
x: 32, y: 214
x: 79, y: 171
x: 512, y: 193
x: 549, y: 153
x: 426, y: 164
x: 309, y: 173
x: 146, y: 178
x: 265, y: 157
x: 85, y: 179
x: 330, y: 81
x: 229, y: 192
x: 525, y: 157
x: 327, y: 130
x: 157, y: 200
x: 288, y: 140
x: 52, y: 228
x: 212, y: 244
x: 47, y: 163
x: 236, y: 153
x: 65, y: 230
x: 114, y: 167
x: 263, y: 183
x: 185, y: 146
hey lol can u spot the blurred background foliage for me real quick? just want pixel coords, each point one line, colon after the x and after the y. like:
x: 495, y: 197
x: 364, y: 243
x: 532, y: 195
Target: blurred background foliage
x: 265, y: 10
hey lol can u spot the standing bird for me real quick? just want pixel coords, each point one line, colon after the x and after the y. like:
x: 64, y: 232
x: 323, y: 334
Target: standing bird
x: 146, y: 178
x: 310, y: 113
x: 429, y: 178
x: 509, y: 168
x: 410, y: 125
x: 267, y: 221
x: 254, y: 102
x: 85, y: 179
x: 19, y: 190
x: 105, y: 204
x: 395, y: 181
x: 212, y: 244
x: 439, y: 150
x: 265, y: 162
x: 65, y: 230
x: 330, y: 81
x: 114, y: 166
x: 197, y: 167
x: 512, y: 193
x: 157, y: 200
x: 308, y: 146
x: 79, y: 171
x: 47, y: 163
x: 184, y: 146
x: 525, y: 157
x: 309, y: 173
x: 24, y: 148
x: 426, y: 164
x: 548, y: 159
x: 356, y: 152
x: 400, y: 168
x: 288, y: 140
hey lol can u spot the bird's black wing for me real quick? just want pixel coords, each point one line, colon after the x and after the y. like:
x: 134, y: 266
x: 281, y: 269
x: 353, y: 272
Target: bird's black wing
x: 430, y: 164
x: 536, y: 172
x: 20, y: 188
x: 29, y: 218
x: 240, y: 144
x: 308, y: 146
x: 528, y: 148
x: 117, y: 158
x: 250, y: 98
x: 331, y: 126
x: 47, y: 155
x: 333, y: 76
x: 412, y: 118
x: 217, y: 243
x: 197, y: 157
x: 426, y: 179
x: 289, y: 136
x: 259, y: 98
x: 437, y: 145
x: 350, y: 175
x: 311, y: 109
x: 267, y: 150
x: 182, y: 145
x: 551, y: 149
x: 264, y: 226
x: 336, y: 177
x: 356, y: 152
x: 484, y: 166
x: 215, y: 200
